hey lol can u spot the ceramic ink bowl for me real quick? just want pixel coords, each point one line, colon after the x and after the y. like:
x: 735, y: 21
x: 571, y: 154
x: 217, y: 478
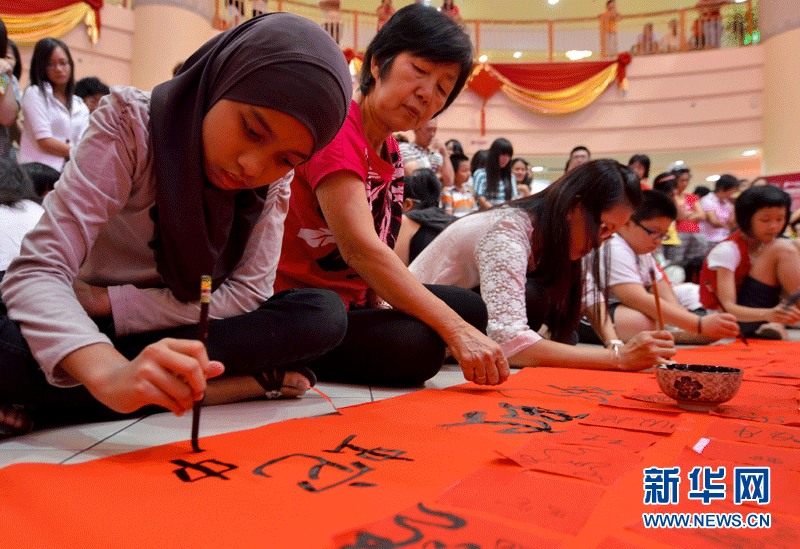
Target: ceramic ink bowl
x: 697, y: 387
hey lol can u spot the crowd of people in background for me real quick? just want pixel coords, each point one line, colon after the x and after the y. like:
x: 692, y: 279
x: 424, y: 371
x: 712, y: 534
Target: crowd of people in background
x: 317, y: 213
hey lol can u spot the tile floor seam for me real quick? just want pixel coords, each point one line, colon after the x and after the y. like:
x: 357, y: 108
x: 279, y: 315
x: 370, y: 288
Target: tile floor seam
x: 98, y: 442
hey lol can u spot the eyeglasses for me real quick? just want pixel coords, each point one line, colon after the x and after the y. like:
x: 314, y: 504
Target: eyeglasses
x: 655, y: 235
x: 58, y: 65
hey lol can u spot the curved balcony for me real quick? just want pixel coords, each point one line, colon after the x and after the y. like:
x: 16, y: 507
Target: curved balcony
x: 541, y: 40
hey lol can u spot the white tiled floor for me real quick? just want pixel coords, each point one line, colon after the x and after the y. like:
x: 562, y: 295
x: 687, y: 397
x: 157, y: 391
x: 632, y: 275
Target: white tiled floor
x: 79, y: 443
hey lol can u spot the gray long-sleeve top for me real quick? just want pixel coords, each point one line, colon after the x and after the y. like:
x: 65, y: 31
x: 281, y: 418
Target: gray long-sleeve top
x: 97, y: 229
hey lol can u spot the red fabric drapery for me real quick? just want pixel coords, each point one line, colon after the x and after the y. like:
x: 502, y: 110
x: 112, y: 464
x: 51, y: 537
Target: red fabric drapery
x: 30, y: 7
x: 552, y: 88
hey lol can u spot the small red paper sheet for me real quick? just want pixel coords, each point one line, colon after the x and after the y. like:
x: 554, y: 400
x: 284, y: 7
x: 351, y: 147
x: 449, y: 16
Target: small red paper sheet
x: 633, y: 421
x: 762, y: 435
x: 526, y: 497
x: 749, y: 454
x: 593, y: 464
x: 616, y: 440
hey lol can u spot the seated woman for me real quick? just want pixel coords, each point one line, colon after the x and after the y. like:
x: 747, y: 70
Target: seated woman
x: 54, y: 118
x: 544, y: 237
x: 423, y: 219
x: 494, y: 184
x: 629, y: 257
x: 164, y: 188
x: 346, y: 210
x: 746, y: 273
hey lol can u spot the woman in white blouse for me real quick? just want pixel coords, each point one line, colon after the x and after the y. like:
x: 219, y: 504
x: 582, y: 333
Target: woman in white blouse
x: 54, y: 117
x: 526, y: 258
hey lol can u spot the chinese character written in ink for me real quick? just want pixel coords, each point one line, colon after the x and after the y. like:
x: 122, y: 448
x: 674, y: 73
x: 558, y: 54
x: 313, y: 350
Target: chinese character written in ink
x: 208, y: 468
x: 751, y: 484
x: 520, y: 419
x: 416, y: 527
x: 661, y: 485
x: 324, y: 474
x: 596, y: 394
x: 713, y: 484
x: 374, y: 454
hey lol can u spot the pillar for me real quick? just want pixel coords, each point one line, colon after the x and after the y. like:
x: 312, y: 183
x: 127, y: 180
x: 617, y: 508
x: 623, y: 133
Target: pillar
x: 779, y: 22
x: 167, y: 32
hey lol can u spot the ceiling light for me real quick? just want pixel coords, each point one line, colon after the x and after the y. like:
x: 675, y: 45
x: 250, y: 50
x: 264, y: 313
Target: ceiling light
x: 483, y: 58
x: 517, y: 54
x: 554, y: 2
x: 678, y: 162
x: 712, y: 178
x: 537, y: 169
x: 750, y: 152
x: 574, y: 55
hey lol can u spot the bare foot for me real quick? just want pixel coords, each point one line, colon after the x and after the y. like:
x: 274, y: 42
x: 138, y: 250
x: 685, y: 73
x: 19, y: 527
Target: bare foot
x: 238, y: 388
x: 295, y: 384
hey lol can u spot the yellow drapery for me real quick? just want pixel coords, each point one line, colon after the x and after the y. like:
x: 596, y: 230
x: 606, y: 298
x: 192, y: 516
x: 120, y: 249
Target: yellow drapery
x: 562, y: 101
x: 29, y: 29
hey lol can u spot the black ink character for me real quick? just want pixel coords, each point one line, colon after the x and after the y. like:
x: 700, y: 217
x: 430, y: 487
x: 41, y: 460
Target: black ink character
x: 202, y: 470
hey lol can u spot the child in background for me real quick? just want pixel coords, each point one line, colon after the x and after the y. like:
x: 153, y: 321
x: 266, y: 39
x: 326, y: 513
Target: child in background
x: 718, y: 206
x: 458, y: 200
x: 628, y: 256
x: 91, y: 89
x: 746, y: 273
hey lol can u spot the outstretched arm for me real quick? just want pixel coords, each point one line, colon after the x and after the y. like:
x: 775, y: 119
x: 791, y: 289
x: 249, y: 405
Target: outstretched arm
x: 341, y: 197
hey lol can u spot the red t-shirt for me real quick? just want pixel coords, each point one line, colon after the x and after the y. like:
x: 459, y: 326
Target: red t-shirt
x: 688, y: 205
x: 309, y: 256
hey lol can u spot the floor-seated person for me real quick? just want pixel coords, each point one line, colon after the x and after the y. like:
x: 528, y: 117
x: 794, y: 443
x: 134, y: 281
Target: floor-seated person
x: 628, y: 256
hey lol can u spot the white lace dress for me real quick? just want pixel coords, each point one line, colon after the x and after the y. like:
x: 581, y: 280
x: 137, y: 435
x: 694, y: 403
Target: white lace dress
x: 491, y: 249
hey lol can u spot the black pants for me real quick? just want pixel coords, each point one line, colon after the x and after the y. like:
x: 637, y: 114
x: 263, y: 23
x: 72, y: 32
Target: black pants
x: 292, y: 327
x: 753, y: 293
x: 388, y: 348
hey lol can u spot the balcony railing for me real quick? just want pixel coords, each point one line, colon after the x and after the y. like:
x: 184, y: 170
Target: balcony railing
x: 541, y: 40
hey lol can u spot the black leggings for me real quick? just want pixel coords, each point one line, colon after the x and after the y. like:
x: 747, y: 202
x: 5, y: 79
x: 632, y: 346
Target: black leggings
x: 292, y: 327
x: 753, y: 293
x: 385, y: 347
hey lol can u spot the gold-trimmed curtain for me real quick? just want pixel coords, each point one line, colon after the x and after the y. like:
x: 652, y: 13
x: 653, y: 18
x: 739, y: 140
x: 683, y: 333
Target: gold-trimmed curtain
x: 28, y: 22
x: 548, y: 88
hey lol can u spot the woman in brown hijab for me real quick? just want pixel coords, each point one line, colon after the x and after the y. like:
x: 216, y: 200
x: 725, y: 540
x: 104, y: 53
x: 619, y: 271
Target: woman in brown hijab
x: 191, y: 180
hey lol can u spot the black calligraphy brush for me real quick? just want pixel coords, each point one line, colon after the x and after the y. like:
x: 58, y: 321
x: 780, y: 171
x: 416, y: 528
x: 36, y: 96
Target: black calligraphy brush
x: 202, y: 335
x: 658, y: 301
x: 724, y: 310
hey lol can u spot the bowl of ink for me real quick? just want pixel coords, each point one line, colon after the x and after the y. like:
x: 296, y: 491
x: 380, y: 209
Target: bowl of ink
x: 697, y: 387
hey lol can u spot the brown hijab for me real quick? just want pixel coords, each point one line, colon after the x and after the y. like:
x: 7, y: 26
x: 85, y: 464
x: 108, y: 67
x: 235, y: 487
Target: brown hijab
x: 279, y: 61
